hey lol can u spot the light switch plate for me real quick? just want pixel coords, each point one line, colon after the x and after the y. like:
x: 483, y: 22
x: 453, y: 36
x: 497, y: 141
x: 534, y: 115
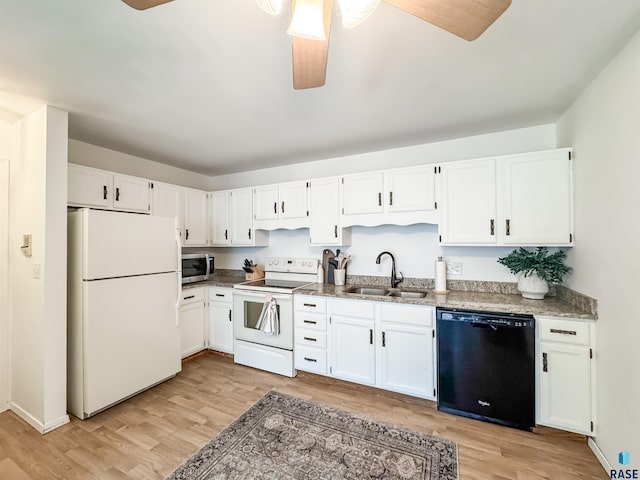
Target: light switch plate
x: 36, y: 270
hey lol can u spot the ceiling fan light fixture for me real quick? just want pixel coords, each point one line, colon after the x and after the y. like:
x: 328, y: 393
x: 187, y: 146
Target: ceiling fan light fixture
x: 308, y: 20
x: 354, y: 12
x: 272, y: 7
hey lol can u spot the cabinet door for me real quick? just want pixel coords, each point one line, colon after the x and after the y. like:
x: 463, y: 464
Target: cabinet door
x: 167, y: 202
x: 324, y: 210
x: 220, y: 234
x: 195, y: 217
x: 565, y: 387
x: 410, y: 189
x: 468, y: 202
x: 241, y: 217
x: 221, y: 327
x: 89, y: 187
x: 405, y: 362
x: 192, y: 328
x: 131, y: 194
x: 535, y: 199
x: 352, y: 349
x: 293, y: 200
x: 266, y: 202
x: 362, y: 193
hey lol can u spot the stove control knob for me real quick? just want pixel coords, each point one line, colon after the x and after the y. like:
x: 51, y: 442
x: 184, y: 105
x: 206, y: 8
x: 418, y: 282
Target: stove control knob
x: 304, y: 264
x: 270, y: 262
x: 275, y: 262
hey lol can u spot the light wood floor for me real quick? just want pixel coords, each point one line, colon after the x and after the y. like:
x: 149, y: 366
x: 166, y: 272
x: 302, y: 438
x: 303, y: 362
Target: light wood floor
x: 149, y: 436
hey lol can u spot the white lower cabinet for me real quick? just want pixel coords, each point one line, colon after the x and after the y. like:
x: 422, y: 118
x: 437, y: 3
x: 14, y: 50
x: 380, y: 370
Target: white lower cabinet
x: 221, y: 319
x: 388, y: 345
x: 565, y: 375
x: 192, y: 321
x: 352, y: 351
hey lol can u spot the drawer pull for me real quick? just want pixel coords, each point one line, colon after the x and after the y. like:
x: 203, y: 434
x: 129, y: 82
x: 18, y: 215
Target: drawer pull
x: 219, y: 294
x: 312, y: 305
x: 310, y: 359
x: 190, y: 296
x: 563, y: 332
x: 312, y: 322
x: 311, y: 339
x: 545, y: 364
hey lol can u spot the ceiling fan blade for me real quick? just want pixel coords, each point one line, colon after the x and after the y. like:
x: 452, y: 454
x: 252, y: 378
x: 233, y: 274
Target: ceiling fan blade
x: 310, y: 56
x: 144, y: 4
x: 465, y: 18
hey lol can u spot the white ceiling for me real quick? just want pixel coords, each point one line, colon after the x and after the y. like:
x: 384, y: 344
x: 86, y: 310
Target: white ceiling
x: 206, y: 84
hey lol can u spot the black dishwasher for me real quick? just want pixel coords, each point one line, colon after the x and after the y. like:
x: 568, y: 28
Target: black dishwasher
x: 486, y: 366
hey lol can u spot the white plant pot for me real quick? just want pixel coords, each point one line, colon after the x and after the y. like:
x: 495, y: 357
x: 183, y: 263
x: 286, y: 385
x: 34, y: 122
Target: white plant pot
x: 533, y: 286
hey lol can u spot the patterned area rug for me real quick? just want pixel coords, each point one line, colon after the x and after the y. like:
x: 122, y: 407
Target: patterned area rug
x: 283, y: 437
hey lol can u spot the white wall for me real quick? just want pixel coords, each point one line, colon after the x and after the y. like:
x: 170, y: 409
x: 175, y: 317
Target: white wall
x: 603, y: 126
x: 99, y: 157
x: 37, y: 203
x: 415, y: 247
x: 500, y: 143
x: 5, y: 152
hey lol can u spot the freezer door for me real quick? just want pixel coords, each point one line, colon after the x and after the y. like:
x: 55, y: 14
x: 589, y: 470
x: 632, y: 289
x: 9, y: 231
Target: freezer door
x: 116, y: 244
x: 131, y: 340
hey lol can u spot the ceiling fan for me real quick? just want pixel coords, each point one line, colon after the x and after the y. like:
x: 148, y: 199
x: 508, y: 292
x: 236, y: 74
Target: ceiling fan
x: 311, y: 25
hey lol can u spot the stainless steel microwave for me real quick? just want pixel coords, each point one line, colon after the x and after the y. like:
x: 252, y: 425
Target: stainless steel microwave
x: 196, y: 267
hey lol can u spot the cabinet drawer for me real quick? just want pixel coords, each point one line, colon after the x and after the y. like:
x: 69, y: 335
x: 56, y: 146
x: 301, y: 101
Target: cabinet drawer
x: 192, y: 295
x: 564, y: 331
x: 418, y: 315
x: 220, y: 294
x: 352, y: 308
x: 311, y: 359
x: 316, y: 321
x: 310, y: 304
x: 310, y: 338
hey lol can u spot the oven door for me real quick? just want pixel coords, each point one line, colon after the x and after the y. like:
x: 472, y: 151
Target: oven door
x: 247, y: 307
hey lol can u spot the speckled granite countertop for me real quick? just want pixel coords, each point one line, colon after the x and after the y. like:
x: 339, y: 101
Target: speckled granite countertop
x: 222, y: 279
x: 490, y: 302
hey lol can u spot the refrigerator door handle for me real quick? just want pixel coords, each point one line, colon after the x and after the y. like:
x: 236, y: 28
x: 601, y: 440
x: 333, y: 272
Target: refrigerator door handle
x: 179, y: 272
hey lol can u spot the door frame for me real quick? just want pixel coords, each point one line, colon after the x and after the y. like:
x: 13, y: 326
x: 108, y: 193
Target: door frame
x: 4, y: 286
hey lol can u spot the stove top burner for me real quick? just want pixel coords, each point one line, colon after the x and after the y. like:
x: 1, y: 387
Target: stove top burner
x: 274, y: 283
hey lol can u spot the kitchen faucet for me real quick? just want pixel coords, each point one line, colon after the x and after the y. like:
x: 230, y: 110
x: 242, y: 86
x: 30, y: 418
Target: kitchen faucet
x: 394, y: 281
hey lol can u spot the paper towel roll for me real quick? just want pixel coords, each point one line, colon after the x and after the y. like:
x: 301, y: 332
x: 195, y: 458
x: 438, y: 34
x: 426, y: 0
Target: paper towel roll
x: 440, y: 275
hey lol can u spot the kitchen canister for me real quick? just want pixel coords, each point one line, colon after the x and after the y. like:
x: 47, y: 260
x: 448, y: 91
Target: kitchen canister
x: 339, y: 276
x: 440, y: 276
x: 320, y: 274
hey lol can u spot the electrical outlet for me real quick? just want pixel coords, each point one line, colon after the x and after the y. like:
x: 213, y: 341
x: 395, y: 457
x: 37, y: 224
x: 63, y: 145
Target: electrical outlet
x: 454, y: 268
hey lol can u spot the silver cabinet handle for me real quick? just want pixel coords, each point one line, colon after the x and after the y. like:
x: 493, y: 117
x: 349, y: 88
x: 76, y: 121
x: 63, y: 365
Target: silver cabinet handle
x: 563, y: 332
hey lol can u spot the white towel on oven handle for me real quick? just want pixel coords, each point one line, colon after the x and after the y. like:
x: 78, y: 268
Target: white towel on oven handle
x: 269, y: 323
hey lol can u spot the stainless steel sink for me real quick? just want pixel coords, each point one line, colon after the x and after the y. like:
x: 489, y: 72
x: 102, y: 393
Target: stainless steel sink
x: 368, y: 291
x: 407, y: 294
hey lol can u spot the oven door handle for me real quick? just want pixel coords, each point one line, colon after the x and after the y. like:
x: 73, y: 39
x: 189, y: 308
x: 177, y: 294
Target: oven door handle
x: 262, y: 296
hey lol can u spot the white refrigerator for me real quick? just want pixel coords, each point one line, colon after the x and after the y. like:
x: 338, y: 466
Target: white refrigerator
x: 123, y: 291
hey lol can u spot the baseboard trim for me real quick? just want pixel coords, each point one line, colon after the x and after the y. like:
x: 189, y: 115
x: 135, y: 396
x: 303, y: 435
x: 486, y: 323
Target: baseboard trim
x: 35, y: 423
x: 599, y: 455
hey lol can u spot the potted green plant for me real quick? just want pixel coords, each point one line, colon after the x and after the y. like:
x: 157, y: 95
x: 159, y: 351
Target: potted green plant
x: 536, y: 270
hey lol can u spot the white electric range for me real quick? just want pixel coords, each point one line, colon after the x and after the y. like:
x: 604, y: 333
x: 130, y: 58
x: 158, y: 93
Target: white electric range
x: 252, y: 346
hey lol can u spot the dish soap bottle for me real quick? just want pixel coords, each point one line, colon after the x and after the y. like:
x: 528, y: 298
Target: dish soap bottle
x: 320, y: 274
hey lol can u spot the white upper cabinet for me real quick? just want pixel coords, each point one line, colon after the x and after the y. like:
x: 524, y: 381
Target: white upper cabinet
x: 535, y: 199
x: 523, y: 199
x: 131, y: 194
x: 167, y: 201
x: 468, y: 193
x: 232, y: 219
x: 410, y: 189
x: 90, y: 187
x: 265, y: 202
x: 220, y: 218
x: 324, y: 208
x: 195, y: 217
x: 402, y: 196
x: 281, y: 206
x: 241, y: 217
x: 362, y: 193
x: 293, y: 200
